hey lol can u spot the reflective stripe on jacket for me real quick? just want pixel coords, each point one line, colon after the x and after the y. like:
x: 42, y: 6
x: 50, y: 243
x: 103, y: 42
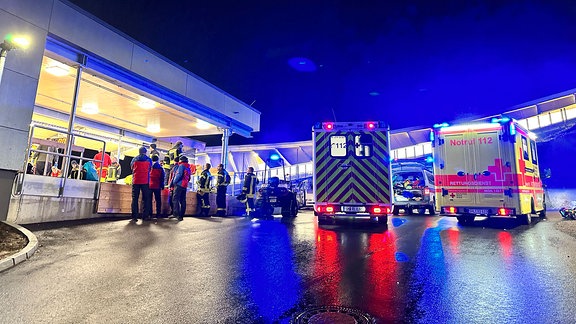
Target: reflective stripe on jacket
x: 250, y: 182
x: 204, y: 180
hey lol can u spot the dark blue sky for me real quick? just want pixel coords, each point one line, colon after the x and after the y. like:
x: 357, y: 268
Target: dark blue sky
x: 410, y: 63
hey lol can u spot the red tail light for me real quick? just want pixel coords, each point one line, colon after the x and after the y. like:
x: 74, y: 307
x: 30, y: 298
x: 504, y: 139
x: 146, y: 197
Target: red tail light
x: 329, y: 209
x: 387, y: 210
x: 450, y: 210
x: 504, y: 211
x: 377, y: 210
x: 426, y: 191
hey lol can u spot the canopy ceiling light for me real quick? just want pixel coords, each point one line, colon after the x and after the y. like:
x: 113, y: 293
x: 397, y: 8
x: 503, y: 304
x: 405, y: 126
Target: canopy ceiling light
x: 146, y: 103
x: 56, y: 68
x: 200, y: 124
x: 153, y: 128
x: 90, y: 108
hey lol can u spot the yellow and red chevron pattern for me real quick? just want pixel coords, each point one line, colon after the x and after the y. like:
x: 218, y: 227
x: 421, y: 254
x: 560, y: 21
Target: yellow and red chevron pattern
x: 352, y: 179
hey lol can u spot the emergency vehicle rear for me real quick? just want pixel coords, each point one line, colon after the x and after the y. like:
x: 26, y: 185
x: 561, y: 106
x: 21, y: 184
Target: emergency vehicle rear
x: 351, y: 171
x: 487, y: 169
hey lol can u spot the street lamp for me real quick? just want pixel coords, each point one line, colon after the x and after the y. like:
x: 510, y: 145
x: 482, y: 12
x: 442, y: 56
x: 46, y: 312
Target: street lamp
x: 11, y: 42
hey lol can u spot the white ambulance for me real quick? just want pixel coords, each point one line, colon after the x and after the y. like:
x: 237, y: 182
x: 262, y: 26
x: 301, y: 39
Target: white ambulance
x: 487, y: 169
x: 351, y: 171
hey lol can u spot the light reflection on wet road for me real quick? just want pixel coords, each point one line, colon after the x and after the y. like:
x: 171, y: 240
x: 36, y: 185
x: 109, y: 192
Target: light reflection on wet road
x: 418, y: 269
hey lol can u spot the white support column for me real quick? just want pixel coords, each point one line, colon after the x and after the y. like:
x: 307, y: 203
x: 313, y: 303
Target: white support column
x: 226, y: 133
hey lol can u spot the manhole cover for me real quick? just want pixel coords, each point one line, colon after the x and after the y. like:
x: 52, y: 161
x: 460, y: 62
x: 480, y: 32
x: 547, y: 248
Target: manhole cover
x: 331, y: 314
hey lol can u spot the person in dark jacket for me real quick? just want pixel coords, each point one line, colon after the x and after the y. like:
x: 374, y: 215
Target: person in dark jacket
x: 249, y: 189
x: 141, y: 166
x: 156, y: 184
x: 180, y: 184
x: 222, y: 182
x: 203, y: 192
x: 166, y: 167
x: 171, y: 175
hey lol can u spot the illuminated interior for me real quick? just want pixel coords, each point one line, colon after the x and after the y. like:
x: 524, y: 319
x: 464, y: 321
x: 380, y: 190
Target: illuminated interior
x: 106, y: 102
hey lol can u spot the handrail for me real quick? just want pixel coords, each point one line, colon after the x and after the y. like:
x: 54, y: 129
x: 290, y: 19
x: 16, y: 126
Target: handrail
x: 67, y: 156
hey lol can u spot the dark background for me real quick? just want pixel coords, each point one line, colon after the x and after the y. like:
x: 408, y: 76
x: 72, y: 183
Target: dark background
x: 409, y: 63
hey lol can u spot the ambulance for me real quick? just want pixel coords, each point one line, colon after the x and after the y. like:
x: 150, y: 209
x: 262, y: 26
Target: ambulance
x: 351, y: 177
x: 487, y: 169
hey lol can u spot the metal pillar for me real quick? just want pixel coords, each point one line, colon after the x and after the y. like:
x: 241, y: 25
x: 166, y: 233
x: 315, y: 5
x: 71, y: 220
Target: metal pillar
x: 226, y: 133
x: 70, y: 137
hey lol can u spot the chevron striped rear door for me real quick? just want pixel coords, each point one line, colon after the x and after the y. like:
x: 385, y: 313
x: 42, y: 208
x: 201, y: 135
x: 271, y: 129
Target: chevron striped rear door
x: 352, y: 167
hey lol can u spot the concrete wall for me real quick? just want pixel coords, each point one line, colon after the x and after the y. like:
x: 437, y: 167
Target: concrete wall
x: 34, y: 209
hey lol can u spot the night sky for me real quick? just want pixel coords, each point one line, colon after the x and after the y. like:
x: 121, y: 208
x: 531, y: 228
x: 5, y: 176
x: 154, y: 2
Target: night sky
x: 409, y: 63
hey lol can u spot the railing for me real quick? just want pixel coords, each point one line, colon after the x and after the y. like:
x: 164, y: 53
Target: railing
x: 61, y: 186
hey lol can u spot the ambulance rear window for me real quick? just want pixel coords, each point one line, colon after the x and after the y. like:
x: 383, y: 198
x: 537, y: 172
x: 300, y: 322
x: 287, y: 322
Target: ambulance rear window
x: 533, y: 150
x: 338, y: 146
x: 525, y: 148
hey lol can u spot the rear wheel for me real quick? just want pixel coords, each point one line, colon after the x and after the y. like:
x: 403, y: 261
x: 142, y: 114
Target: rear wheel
x: 383, y: 220
x: 525, y: 219
x: 432, y: 208
x: 542, y: 213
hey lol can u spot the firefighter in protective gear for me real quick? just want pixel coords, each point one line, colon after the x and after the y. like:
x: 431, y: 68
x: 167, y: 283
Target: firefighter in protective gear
x: 175, y: 152
x: 249, y: 189
x: 203, y: 192
x: 222, y: 182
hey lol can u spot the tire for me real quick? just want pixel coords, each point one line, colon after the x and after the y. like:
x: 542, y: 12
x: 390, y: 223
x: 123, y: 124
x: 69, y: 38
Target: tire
x: 395, y: 210
x: 383, y: 220
x: 542, y: 213
x: 524, y: 219
x: 432, y: 210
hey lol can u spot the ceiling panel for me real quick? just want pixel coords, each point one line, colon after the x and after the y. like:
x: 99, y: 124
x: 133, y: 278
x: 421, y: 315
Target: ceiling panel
x: 117, y: 105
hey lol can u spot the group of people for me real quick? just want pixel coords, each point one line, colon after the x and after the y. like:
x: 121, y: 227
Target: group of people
x: 150, y: 177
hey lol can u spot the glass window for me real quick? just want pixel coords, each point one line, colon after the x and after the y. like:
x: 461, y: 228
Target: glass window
x: 533, y: 151
x: 363, y: 145
x: 525, y: 148
x: 338, y: 146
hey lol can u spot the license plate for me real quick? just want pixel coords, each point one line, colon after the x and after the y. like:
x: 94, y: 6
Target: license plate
x: 355, y: 209
x: 272, y: 200
x: 478, y: 211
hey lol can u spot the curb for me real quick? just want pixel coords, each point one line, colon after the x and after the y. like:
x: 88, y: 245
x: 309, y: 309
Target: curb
x: 23, y: 254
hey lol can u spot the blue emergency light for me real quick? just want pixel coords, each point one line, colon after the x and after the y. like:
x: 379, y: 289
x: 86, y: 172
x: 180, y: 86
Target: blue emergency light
x: 501, y: 120
x: 441, y: 125
x: 274, y: 157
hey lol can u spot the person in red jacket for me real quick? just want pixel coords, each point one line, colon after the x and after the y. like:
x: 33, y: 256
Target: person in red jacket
x: 102, y: 169
x: 141, y: 166
x: 156, y: 184
x: 180, y: 183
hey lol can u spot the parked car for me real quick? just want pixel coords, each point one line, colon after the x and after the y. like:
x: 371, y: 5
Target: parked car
x: 304, y: 193
x: 413, y: 186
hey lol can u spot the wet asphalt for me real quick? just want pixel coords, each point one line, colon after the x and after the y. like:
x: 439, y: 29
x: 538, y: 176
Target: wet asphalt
x: 418, y: 269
